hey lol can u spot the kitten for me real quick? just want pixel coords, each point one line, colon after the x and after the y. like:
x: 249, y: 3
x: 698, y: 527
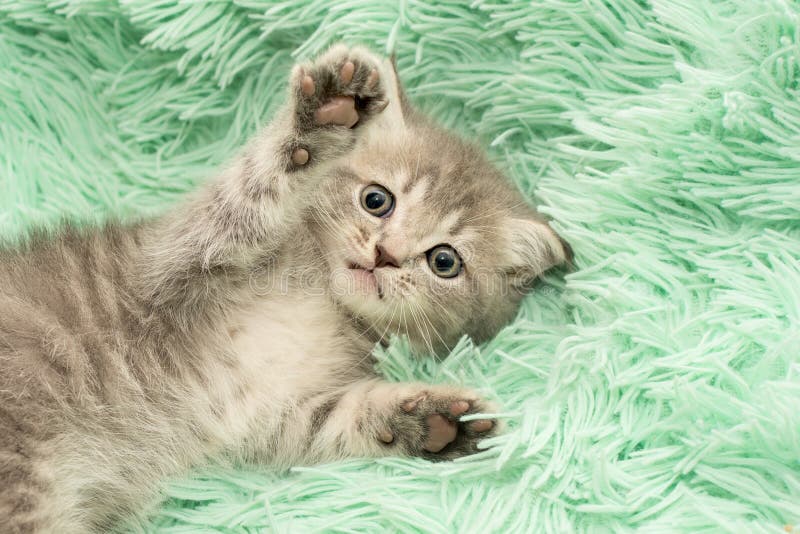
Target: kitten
x: 240, y: 325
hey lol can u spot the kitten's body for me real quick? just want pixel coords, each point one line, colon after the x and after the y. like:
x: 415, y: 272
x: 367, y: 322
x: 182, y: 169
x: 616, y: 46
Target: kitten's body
x: 100, y: 401
x: 221, y: 331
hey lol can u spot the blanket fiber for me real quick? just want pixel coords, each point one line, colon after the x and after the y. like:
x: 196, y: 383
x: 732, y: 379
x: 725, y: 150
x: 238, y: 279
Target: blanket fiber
x: 654, y: 388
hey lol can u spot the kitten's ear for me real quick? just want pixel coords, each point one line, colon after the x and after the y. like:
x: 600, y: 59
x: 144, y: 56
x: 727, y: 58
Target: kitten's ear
x: 393, y: 121
x: 405, y: 105
x: 534, y: 248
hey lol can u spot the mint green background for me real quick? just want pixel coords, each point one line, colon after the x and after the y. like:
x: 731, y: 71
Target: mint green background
x: 656, y: 388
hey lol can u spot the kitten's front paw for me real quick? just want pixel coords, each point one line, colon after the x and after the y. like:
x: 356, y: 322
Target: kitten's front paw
x: 341, y: 88
x: 427, y: 424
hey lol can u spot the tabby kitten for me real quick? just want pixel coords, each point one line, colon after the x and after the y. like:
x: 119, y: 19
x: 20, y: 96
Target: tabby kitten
x: 240, y: 325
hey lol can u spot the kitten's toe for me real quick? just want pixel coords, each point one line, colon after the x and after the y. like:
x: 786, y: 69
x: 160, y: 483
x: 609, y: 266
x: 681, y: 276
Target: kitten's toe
x: 373, y: 78
x: 347, y: 71
x: 307, y: 85
x: 459, y: 407
x: 481, y: 425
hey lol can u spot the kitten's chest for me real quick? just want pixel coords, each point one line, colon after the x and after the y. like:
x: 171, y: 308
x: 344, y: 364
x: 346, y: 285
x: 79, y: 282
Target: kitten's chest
x: 294, y: 344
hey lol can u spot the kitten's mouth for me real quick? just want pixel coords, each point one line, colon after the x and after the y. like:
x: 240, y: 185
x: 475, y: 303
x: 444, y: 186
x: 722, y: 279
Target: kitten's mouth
x: 365, y: 276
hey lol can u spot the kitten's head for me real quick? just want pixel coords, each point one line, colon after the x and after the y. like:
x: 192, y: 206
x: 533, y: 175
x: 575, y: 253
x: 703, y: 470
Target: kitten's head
x: 424, y: 237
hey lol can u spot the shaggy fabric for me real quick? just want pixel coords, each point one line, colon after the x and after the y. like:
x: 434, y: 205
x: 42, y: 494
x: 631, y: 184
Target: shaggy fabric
x: 656, y: 387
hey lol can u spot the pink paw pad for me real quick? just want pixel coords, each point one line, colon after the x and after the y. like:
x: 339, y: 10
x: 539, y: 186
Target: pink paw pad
x: 307, y: 85
x: 340, y: 110
x: 481, y: 425
x: 346, y: 74
x: 459, y: 407
x: 300, y: 156
x: 373, y: 78
x: 386, y: 436
x: 411, y: 405
x: 441, y: 432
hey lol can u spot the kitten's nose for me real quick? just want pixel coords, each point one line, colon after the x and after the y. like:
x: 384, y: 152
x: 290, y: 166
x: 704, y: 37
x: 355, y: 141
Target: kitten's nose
x: 384, y: 259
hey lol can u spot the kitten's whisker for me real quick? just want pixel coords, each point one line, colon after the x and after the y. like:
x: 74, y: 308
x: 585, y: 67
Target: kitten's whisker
x: 451, y: 317
x: 416, y: 322
x: 389, y: 322
x: 426, y: 333
x: 369, y: 354
x: 373, y: 324
x: 435, y: 330
x: 405, y: 322
x: 327, y: 221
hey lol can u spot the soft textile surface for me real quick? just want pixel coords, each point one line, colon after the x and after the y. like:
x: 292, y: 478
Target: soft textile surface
x: 656, y: 387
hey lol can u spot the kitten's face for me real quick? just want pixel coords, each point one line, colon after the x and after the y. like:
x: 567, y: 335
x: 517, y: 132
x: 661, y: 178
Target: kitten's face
x: 423, y: 237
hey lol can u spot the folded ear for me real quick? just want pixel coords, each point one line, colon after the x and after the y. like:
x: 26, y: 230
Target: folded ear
x: 534, y: 248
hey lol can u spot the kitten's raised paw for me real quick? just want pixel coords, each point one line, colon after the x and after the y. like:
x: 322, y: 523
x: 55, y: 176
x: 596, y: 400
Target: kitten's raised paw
x: 343, y: 87
x: 427, y: 424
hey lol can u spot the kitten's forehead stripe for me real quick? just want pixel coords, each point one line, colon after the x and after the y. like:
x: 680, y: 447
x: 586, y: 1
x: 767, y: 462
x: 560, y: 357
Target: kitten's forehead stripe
x: 445, y: 222
x: 460, y: 223
x: 417, y: 194
x: 421, y: 169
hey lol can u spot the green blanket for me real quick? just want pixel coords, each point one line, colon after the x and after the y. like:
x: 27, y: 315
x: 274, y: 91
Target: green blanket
x: 656, y: 387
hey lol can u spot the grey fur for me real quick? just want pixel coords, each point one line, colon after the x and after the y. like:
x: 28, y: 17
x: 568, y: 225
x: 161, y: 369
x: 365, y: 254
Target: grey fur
x: 132, y: 352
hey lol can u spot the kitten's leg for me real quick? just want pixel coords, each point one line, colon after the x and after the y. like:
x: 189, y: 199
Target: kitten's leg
x: 249, y: 211
x: 378, y: 418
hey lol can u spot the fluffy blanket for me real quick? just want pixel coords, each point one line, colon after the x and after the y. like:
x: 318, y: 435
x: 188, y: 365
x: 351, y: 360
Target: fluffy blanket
x: 656, y: 387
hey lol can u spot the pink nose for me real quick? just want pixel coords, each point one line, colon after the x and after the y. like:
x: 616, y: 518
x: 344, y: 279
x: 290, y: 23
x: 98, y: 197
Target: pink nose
x: 384, y: 259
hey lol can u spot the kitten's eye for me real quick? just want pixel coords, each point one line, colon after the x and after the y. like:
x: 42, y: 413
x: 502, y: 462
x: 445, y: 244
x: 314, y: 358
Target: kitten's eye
x: 444, y: 261
x: 377, y: 200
